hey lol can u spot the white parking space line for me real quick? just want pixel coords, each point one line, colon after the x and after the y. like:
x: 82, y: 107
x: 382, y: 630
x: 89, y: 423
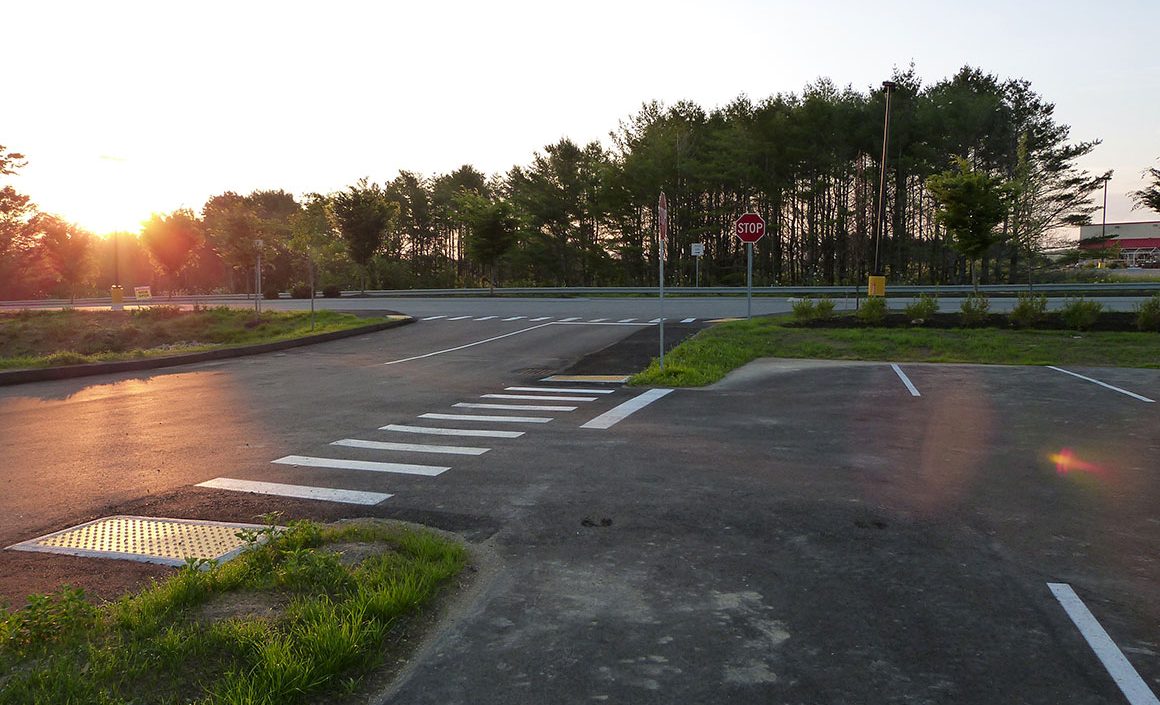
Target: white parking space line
x: 688, y: 320
x: 598, y: 320
x: 559, y: 390
x: 325, y: 494
x: 569, y: 319
x: 905, y: 380
x: 515, y: 318
x: 1129, y: 681
x: 458, y: 318
x: 341, y: 464
x: 435, y: 431
x: 410, y: 447
x: 1102, y: 384
x: 486, y: 318
x: 434, y: 318
x: 469, y: 417
x: 468, y: 345
x: 626, y: 320
x: 656, y: 320
x: 514, y: 407
x: 535, y: 397
x: 619, y: 413
x: 541, y: 318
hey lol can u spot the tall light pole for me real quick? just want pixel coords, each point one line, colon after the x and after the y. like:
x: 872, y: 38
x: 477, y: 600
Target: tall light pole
x: 1104, y: 225
x: 877, y: 280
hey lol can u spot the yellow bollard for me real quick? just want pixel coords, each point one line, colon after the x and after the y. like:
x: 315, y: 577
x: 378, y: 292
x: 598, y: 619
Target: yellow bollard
x: 117, y: 294
x: 877, y: 286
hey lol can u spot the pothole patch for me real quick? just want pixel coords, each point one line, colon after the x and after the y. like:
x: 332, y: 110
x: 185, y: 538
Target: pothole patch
x: 145, y: 539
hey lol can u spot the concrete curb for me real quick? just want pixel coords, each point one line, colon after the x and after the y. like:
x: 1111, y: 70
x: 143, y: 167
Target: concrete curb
x: 99, y: 368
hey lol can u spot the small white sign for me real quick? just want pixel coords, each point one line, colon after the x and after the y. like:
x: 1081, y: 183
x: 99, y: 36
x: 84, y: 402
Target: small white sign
x: 698, y: 249
x: 142, y: 293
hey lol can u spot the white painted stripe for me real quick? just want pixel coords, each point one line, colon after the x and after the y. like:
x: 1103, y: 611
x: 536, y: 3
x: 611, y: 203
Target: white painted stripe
x: 469, y: 417
x: 469, y: 345
x: 597, y: 320
x: 569, y: 319
x: 433, y: 431
x: 559, y: 390
x: 325, y: 494
x: 515, y: 318
x: 656, y: 320
x: 458, y: 318
x: 619, y: 413
x: 536, y: 397
x: 905, y: 380
x: 1102, y: 384
x: 410, y: 447
x: 688, y: 320
x: 514, y: 407
x: 1129, y: 681
x: 587, y: 379
x: 341, y: 464
x: 486, y: 318
x: 434, y: 318
x: 541, y: 318
x: 626, y: 320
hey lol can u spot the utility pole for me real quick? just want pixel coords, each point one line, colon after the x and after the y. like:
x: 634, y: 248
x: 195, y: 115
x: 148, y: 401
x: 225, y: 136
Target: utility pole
x: 877, y: 280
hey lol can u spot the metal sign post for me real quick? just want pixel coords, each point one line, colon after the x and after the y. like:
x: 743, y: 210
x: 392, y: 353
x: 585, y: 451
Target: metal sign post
x: 697, y: 249
x: 258, y: 278
x: 662, y: 232
x: 749, y: 228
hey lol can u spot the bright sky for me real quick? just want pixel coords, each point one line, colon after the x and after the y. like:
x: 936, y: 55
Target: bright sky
x: 126, y: 108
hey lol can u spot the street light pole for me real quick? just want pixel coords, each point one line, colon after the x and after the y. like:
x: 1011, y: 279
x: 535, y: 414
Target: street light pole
x: 887, y: 86
x: 1104, y: 225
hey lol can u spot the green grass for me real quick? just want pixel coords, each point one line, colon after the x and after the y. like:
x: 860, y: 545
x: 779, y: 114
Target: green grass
x: 713, y: 353
x: 70, y: 337
x: 333, y: 626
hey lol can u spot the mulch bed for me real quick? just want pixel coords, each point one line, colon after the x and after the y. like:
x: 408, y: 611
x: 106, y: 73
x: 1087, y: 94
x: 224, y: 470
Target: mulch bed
x: 1109, y: 321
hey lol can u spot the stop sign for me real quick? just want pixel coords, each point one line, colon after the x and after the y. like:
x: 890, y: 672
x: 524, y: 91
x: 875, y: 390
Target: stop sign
x: 749, y: 227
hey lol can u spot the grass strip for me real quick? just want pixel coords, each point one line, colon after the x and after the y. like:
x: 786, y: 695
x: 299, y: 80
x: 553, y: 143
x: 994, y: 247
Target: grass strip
x: 714, y: 352
x: 31, y: 339
x: 329, y: 625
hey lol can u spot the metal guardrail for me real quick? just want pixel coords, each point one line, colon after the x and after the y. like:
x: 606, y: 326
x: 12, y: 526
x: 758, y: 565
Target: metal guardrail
x: 1096, y: 289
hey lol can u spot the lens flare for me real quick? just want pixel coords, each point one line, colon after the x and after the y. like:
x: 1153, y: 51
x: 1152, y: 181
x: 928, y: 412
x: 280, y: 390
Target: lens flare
x: 1066, y: 462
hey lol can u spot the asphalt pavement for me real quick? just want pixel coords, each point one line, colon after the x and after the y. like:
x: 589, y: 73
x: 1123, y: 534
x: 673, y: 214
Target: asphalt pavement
x: 803, y: 532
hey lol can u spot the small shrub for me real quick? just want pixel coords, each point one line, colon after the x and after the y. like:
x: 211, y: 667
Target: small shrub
x: 271, y: 292
x: 923, y: 309
x: 1081, y: 314
x: 1029, y: 310
x: 824, y: 309
x: 331, y: 291
x: 975, y: 309
x: 300, y: 291
x: 1148, y: 314
x: 804, y: 309
x: 873, y: 311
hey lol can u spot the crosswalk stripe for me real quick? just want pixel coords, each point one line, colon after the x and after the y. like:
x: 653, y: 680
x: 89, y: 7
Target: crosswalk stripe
x: 514, y: 407
x: 434, y: 431
x: 410, y: 447
x: 626, y: 320
x: 469, y: 417
x: 325, y: 494
x: 434, y: 318
x: 688, y: 320
x: 535, y: 397
x: 541, y: 318
x: 341, y: 464
x: 561, y: 390
x: 515, y: 318
x: 486, y: 318
x: 458, y: 318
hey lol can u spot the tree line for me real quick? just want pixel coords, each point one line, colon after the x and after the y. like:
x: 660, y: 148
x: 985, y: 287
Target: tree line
x: 808, y: 162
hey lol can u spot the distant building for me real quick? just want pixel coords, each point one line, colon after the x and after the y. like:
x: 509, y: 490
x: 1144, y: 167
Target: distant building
x: 1139, y: 243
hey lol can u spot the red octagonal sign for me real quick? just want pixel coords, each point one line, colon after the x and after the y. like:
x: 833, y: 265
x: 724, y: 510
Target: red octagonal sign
x: 749, y: 227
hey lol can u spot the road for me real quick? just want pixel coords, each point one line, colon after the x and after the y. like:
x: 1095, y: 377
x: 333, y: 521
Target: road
x: 801, y: 532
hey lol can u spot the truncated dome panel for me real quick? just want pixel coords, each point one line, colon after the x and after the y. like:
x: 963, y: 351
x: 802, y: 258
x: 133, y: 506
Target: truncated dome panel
x: 146, y: 539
